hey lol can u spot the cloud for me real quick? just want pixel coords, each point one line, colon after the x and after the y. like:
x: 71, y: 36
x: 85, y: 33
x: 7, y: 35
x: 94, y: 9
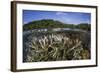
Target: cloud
x: 61, y: 13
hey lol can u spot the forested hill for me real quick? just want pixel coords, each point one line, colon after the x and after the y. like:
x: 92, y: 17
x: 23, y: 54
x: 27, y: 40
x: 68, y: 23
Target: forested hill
x: 49, y: 23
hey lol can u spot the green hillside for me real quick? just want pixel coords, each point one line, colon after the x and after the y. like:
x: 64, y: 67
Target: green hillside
x: 50, y: 23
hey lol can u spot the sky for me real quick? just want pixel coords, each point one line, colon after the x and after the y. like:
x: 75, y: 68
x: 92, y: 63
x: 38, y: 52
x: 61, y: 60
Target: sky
x: 65, y: 17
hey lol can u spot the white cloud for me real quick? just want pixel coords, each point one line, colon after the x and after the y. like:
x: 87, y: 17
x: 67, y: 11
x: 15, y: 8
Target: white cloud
x: 61, y: 13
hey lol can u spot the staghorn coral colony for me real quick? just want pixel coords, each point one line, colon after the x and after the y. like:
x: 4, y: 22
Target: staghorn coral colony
x: 56, y: 46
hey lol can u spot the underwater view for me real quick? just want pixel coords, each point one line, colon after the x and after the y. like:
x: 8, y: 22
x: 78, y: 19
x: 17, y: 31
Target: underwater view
x: 56, y: 36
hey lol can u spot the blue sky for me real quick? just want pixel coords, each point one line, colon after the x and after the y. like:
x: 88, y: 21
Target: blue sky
x: 65, y: 17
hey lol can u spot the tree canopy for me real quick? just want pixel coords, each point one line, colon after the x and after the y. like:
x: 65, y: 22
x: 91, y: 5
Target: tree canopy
x: 50, y: 23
